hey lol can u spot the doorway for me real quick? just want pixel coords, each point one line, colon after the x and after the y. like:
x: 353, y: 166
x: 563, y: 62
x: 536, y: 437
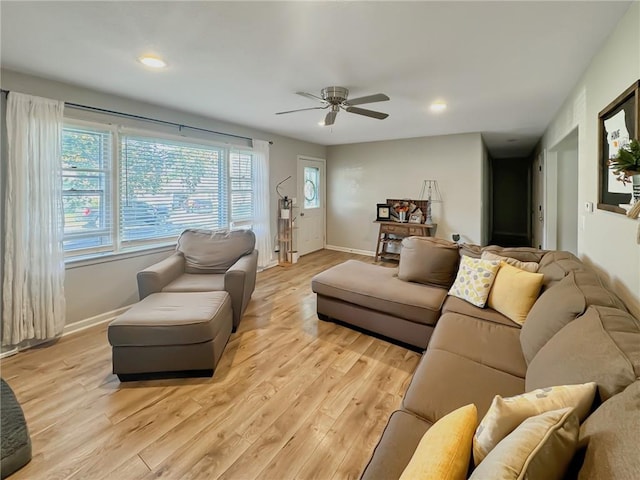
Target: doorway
x: 311, y: 203
x: 563, y: 197
x: 511, y: 202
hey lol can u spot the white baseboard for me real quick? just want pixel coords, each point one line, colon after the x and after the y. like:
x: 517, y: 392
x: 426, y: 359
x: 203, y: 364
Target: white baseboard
x: 9, y: 353
x: 367, y: 253
x: 91, y: 321
x: 73, y: 328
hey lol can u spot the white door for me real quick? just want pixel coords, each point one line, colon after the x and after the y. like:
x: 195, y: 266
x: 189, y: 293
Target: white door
x: 538, y: 202
x: 311, y: 203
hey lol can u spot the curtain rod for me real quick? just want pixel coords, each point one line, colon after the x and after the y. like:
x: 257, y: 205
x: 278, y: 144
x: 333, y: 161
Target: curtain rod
x: 148, y: 119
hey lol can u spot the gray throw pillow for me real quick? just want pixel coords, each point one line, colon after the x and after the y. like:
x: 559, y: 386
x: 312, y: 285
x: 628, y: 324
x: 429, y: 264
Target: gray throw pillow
x: 428, y: 260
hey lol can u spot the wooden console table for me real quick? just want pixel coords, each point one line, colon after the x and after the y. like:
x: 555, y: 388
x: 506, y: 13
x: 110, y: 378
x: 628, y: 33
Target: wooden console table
x: 393, y: 232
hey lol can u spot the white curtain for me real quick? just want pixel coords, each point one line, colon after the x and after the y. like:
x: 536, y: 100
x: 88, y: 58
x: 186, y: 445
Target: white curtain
x: 33, y: 306
x: 262, y: 204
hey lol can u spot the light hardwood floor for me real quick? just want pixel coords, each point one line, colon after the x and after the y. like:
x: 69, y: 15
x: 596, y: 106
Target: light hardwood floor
x: 293, y: 397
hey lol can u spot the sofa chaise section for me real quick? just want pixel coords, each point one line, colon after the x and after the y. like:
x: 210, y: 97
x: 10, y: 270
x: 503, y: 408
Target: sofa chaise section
x: 373, y: 298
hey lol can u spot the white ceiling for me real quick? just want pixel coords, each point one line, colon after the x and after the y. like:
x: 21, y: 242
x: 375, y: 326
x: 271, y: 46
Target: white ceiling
x: 503, y: 67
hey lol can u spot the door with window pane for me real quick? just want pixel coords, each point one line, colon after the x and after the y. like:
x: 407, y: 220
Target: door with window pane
x: 311, y: 203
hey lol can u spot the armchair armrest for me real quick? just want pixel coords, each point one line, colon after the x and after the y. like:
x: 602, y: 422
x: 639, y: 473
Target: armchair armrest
x: 155, y: 277
x: 239, y: 282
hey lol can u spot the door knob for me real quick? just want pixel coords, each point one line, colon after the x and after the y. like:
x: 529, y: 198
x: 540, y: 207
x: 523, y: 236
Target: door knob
x: 302, y: 214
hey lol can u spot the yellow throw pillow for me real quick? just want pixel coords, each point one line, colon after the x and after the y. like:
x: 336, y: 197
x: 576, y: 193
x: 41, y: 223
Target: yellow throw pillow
x: 505, y: 414
x: 514, y: 292
x: 541, y: 447
x: 444, y: 451
x: 474, y: 279
x: 514, y: 262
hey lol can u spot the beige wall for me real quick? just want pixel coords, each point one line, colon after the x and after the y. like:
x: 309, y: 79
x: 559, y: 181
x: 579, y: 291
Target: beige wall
x: 487, y: 223
x: 95, y: 289
x: 361, y: 175
x: 606, y: 240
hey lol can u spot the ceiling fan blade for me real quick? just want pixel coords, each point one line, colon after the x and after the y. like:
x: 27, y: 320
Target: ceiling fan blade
x: 311, y: 96
x: 331, y: 117
x: 301, y: 110
x: 378, y: 97
x: 367, y: 113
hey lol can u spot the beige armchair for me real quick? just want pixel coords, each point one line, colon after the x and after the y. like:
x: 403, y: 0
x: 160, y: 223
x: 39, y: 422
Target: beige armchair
x: 207, y: 261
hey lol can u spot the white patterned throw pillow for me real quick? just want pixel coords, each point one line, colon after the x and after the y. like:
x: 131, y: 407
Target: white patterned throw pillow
x: 505, y: 414
x: 474, y: 280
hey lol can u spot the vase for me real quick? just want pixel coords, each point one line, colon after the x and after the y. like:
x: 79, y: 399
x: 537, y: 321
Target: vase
x: 635, y: 182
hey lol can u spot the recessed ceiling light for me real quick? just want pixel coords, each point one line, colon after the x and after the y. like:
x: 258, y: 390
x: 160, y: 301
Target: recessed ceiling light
x: 438, y: 106
x: 153, y: 62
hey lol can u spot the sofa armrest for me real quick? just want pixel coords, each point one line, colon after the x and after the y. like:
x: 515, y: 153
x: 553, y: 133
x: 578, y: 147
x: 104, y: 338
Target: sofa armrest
x: 155, y: 277
x: 239, y: 282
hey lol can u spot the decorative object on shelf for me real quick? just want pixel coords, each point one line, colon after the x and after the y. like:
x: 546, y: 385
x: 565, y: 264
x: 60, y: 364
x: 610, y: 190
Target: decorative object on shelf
x: 384, y: 212
x: 285, y: 210
x: 634, y: 211
x: 410, y: 207
x: 415, y: 217
x: 403, y: 208
x: 431, y: 189
x: 618, y: 124
x: 626, y: 165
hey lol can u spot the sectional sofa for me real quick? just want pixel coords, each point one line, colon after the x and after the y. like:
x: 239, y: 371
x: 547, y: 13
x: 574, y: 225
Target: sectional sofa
x: 577, y: 331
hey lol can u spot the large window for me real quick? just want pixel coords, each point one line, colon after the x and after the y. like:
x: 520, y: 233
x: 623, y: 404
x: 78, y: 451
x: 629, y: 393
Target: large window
x: 86, y: 184
x: 162, y: 186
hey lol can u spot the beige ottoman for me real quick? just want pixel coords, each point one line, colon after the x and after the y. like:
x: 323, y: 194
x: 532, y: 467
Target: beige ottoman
x: 167, y: 334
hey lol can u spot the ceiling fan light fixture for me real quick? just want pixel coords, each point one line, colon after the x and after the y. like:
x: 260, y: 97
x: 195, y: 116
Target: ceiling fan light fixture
x: 152, y: 61
x: 438, y: 107
x: 335, y: 99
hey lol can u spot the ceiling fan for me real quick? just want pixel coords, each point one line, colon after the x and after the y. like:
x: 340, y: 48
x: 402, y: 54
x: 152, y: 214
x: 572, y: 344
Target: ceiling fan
x: 335, y: 98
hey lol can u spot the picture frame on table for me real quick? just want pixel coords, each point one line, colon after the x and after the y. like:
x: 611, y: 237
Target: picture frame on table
x: 383, y: 212
x: 618, y: 122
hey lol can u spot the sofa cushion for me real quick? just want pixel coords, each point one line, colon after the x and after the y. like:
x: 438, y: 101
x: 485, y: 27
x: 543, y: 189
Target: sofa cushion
x: 494, y: 345
x: 556, y: 265
x: 443, y: 451
x: 562, y: 304
x: 540, y: 448
x: 524, y: 254
x: 608, y: 441
x: 207, y: 251
x: 470, y: 250
x: 196, y: 282
x: 378, y: 288
x: 399, y: 440
x: 505, y: 414
x: 514, y: 292
x: 474, y: 279
x: 608, y: 353
x: 526, y: 266
x: 428, y: 260
x: 445, y: 381
x: 457, y: 305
